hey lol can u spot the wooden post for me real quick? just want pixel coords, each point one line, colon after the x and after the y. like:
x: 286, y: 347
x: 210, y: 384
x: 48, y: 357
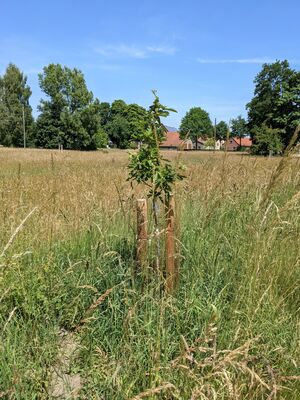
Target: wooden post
x: 170, y: 246
x: 142, y: 235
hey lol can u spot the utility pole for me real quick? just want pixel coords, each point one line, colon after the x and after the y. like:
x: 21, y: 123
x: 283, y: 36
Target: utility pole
x: 215, y: 134
x: 24, y: 129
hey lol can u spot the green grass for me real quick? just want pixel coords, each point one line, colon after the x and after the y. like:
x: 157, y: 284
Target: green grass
x: 239, y: 288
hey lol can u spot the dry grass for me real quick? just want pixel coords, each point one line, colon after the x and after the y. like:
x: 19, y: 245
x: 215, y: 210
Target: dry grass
x: 68, y: 188
x: 71, y: 189
x: 239, y: 262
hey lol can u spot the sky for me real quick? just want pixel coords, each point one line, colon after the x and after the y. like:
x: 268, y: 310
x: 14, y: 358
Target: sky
x: 194, y: 53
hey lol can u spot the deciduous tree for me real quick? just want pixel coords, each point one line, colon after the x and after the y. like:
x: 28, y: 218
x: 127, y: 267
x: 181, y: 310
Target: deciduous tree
x: 196, y: 123
x: 15, y: 109
x: 267, y: 141
x: 126, y: 123
x: 276, y: 100
x: 69, y: 116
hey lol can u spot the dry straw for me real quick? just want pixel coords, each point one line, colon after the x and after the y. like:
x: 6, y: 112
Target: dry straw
x: 154, y: 391
x: 13, y: 236
x: 87, y: 315
x: 280, y: 169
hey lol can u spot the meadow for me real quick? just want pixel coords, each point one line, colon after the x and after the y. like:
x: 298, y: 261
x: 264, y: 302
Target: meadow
x: 68, y: 279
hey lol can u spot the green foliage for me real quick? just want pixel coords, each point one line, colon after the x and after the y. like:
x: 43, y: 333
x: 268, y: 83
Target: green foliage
x: 276, y: 100
x: 14, y: 99
x: 119, y: 132
x: 137, y: 118
x: 267, y: 141
x: 118, y: 107
x: 228, y: 325
x: 70, y: 117
x: 238, y: 127
x: 100, y: 139
x: 104, y: 112
x: 125, y: 123
x: 210, y: 143
x: 221, y: 130
x: 148, y: 166
x: 196, y: 123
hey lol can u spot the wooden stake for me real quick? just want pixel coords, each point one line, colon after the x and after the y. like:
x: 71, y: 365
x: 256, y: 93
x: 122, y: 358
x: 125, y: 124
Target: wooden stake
x: 170, y: 246
x: 142, y: 235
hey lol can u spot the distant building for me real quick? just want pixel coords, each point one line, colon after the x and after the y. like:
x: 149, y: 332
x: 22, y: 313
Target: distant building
x: 200, y: 144
x: 236, y: 143
x: 210, y: 144
x: 173, y: 142
x: 219, y: 144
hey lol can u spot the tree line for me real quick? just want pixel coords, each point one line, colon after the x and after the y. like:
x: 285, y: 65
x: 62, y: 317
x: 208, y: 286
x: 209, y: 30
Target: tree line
x: 70, y: 115
x: 273, y: 112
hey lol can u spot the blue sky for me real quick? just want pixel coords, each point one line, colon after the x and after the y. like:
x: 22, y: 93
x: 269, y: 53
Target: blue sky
x: 195, y: 53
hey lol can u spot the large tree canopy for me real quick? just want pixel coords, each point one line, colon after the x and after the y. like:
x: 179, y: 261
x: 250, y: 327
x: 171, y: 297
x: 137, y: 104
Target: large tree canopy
x: 70, y: 116
x: 125, y: 122
x: 15, y: 111
x: 196, y: 123
x: 221, y: 130
x: 276, y: 101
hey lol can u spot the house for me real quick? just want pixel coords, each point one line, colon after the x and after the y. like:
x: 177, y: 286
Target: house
x: 209, y: 144
x: 236, y: 143
x: 173, y: 142
x: 200, y: 144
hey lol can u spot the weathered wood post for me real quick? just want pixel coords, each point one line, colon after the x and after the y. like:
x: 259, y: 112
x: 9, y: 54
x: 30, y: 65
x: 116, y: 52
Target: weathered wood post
x: 142, y: 235
x: 170, y: 245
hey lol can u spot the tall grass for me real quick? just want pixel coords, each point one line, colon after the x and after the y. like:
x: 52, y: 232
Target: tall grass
x: 231, y: 330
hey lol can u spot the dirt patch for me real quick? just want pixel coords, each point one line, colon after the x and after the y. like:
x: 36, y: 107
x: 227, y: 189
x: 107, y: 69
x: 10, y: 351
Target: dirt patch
x: 63, y: 384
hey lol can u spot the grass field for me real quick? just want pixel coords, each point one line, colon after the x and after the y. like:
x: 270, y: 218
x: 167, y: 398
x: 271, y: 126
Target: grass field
x: 68, y: 280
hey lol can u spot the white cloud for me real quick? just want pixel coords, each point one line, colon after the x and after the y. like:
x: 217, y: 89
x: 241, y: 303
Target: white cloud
x: 120, y: 50
x: 132, y: 51
x: 168, y: 50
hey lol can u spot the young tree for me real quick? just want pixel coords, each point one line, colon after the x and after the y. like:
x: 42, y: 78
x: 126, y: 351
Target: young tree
x: 239, y: 128
x: 196, y: 123
x: 15, y: 111
x: 148, y: 166
x: 70, y: 116
x: 276, y: 100
x: 267, y: 141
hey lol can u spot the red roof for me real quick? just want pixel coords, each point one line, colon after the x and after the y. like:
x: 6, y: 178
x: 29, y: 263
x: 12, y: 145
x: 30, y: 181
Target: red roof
x: 172, y: 140
x: 244, y: 142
